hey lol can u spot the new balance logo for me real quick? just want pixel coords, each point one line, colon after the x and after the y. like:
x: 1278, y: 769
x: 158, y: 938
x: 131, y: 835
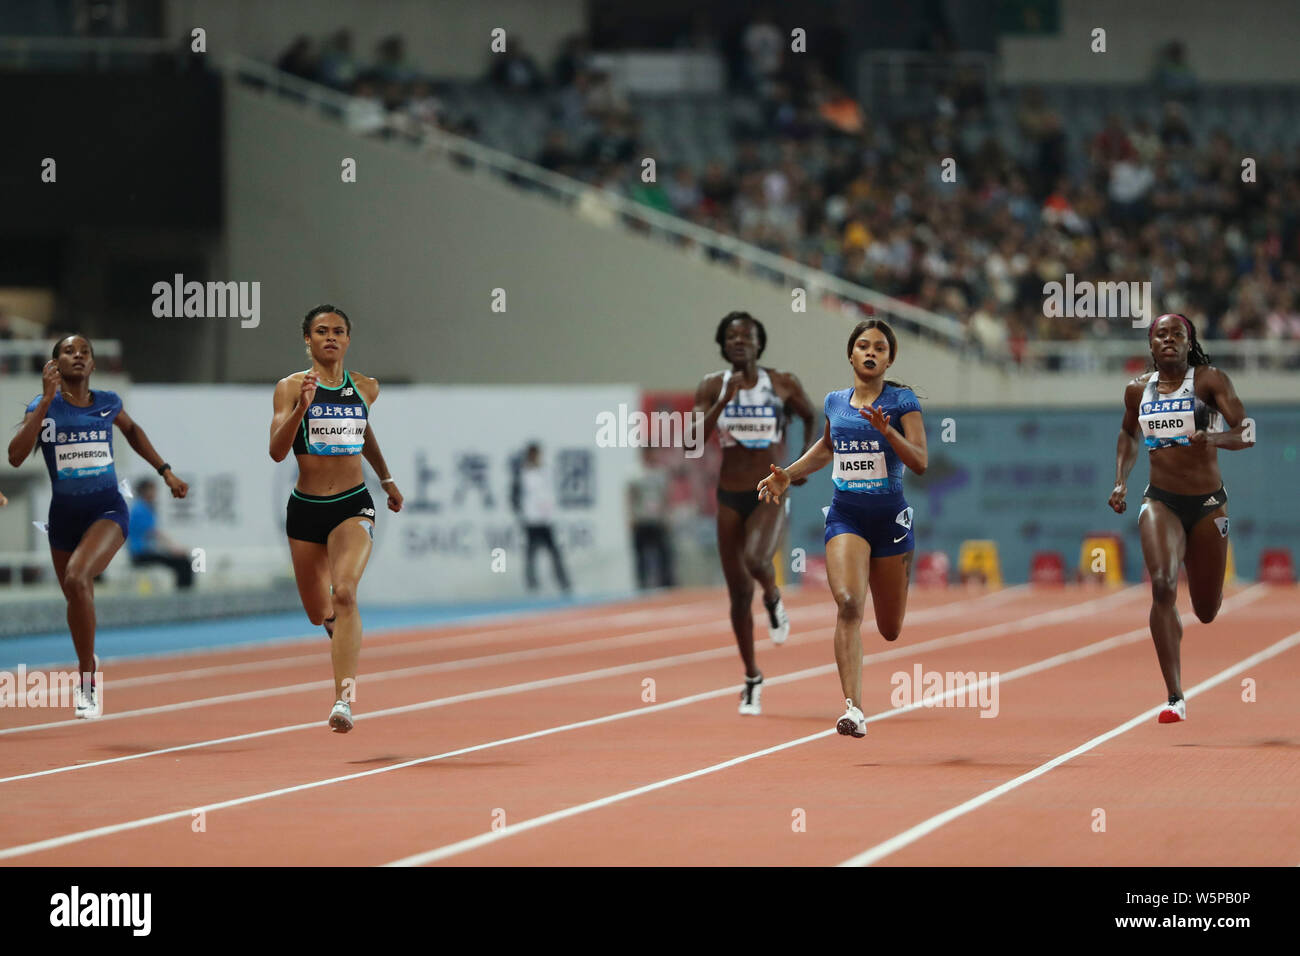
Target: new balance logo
x: 368, y: 511
x: 346, y: 391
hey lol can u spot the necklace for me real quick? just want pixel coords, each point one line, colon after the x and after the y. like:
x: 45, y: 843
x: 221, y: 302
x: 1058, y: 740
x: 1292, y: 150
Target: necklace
x: 320, y: 380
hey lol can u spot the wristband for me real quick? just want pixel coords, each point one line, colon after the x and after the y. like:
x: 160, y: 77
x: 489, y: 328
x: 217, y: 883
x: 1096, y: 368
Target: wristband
x: 163, y: 467
x: 387, y: 481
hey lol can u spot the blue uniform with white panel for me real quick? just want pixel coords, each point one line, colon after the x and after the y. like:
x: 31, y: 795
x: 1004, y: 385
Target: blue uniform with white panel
x: 78, y: 447
x: 868, y: 474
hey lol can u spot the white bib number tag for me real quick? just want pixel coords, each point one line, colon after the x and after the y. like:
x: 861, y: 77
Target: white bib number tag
x: 860, y: 471
x: 82, y: 459
x: 336, y: 436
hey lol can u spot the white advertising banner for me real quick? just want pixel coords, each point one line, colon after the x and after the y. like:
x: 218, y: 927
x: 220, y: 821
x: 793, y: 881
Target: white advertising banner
x: 452, y: 450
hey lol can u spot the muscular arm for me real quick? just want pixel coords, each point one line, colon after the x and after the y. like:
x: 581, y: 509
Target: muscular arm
x: 815, y: 458
x: 22, y: 444
x: 370, y: 447
x: 799, y: 405
x: 137, y: 439
x: 709, y: 402
x: 1126, y: 448
x: 287, y: 419
x: 909, y: 444
x: 1224, y: 398
x: 140, y: 443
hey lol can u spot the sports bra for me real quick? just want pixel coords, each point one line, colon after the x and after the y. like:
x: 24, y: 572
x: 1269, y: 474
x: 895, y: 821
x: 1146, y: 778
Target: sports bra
x: 754, y: 418
x: 335, y: 423
x: 1172, y: 419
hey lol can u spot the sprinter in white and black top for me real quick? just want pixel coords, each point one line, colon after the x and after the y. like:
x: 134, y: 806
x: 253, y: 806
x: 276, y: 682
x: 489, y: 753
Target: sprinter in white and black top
x: 1186, y: 409
x: 749, y: 407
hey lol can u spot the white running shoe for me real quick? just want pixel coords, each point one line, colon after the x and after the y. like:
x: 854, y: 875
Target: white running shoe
x: 1173, y: 712
x: 778, y: 623
x: 341, y: 717
x: 751, y: 697
x: 853, y: 723
x: 85, y: 704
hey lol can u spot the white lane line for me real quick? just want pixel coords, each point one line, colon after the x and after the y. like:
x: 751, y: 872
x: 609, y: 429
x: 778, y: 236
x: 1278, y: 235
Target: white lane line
x: 963, y: 637
x: 890, y: 654
x: 895, y: 843
x: 687, y: 609
x: 492, y: 836
x: 679, y: 630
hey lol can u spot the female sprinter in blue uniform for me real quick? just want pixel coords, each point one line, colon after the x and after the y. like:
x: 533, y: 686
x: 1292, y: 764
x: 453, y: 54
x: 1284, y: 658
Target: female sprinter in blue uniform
x: 872, y: 430
x: 1181, y: 408
x: 749, y: 407
x: 88, y: 517
x: 322, y: 416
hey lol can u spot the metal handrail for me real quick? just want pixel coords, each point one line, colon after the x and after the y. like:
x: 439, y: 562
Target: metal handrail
x: 814, y: 281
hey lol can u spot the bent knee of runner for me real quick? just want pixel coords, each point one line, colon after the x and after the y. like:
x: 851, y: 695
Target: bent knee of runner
x: 1164, y: 589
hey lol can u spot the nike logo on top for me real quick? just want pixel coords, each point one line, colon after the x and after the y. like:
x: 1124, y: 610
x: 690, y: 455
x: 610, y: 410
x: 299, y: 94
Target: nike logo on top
x: 106, y: 411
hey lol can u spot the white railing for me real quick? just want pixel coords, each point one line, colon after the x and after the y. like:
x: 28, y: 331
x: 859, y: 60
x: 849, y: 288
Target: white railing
x: 40, y: 349
x: 1100, y: 355
x: 484, y: 159
x: 25, y: 53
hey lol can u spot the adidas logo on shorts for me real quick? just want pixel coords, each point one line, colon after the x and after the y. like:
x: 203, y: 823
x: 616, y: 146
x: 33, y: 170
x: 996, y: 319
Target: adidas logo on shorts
x: 1212, y: 500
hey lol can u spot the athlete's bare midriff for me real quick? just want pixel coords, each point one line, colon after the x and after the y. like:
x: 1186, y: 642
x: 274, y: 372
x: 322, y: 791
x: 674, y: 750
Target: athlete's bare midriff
x: 328, y: 474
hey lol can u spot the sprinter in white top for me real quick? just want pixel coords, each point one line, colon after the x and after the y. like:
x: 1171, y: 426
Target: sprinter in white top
x: 749, y: 407
x: 1186, y: 410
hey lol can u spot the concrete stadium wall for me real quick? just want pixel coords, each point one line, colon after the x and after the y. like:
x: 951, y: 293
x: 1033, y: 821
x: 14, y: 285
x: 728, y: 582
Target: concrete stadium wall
x: 1245, y: 41
x: 414, y: 249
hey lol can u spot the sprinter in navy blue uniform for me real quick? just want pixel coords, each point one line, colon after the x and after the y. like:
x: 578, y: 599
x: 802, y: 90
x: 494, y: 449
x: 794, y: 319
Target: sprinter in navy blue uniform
x: 322, y: 415
x: 873, y: 430
x: 1186, y: 410
x: 73, y: 427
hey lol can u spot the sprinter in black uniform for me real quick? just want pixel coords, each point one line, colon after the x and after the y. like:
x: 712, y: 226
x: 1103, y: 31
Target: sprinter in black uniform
x: 1187, y: 409
x: 322, y: 415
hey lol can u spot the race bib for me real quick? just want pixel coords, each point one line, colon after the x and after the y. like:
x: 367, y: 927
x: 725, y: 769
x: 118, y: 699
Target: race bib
x: 335, y: 430
x: 754, y: 426
x: 860, y: 471
x: 83, y: 459
x: 1168, y: 422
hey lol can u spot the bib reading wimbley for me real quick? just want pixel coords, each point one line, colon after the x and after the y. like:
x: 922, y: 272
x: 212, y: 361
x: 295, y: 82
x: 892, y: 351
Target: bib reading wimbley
x: 860, y: 471
x: 754, y: 418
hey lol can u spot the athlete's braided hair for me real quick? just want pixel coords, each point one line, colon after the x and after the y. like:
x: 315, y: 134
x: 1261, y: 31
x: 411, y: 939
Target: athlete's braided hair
x: 1195, y: 354
x: 892, y: 339
x: 721, y: 335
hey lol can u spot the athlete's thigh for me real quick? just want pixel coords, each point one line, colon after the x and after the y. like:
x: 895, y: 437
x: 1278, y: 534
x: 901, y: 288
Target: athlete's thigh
x: 96, y: 548
x: 1163, y: 540
x: 763, y: 531
x: 848, y: 558
x: 889, y: 584
x: 311, y: 569
x: 350, y: 544
x: 1207, y: 556
x: 60, y: 559
x: 731, y: 546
